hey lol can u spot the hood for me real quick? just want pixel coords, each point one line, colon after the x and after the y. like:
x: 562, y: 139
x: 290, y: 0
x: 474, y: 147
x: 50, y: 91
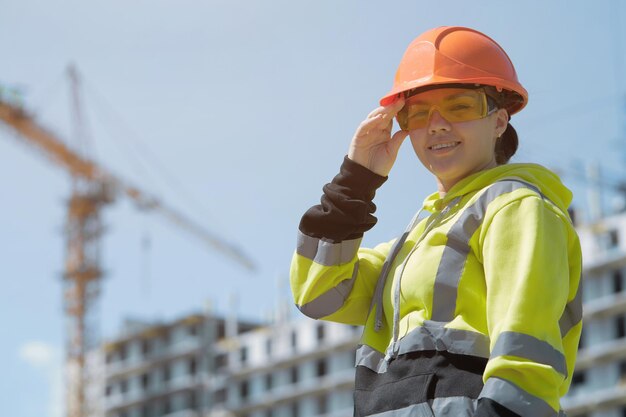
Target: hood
x: 544, y: 179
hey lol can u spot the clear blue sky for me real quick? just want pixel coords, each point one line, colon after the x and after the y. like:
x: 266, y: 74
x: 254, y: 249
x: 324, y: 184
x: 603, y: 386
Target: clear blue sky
x: 250, y: 107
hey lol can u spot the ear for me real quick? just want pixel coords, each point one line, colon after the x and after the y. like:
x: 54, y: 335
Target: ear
x: 502, y: 121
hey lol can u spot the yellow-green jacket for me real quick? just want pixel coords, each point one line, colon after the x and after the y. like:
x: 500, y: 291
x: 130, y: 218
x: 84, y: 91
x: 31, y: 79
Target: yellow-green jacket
x: 493, y: 272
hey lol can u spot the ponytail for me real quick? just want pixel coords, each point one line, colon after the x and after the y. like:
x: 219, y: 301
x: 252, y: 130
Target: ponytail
x: 506, y: 145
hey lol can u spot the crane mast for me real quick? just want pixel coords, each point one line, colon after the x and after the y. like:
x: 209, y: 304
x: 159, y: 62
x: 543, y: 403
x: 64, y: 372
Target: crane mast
x: 82, y: 279
x: 92, y: 189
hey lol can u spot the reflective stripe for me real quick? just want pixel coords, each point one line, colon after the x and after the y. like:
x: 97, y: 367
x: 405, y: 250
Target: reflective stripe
x: 573, y: 313
x: 370, y: 358
x: 429, y: 337
x: 382, y: 279
x: 454, y: 406
x: 332, y: 300
x: 415, y: 410
x: 439, y: 407
x: 457, y: 248
x: 327, y: 253
x: 531, y: 348
x: 516, y: 399
x: 433, y: 336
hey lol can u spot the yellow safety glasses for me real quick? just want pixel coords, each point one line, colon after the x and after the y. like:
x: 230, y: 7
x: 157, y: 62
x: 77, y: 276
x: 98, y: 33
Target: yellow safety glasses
x: 453, y: 104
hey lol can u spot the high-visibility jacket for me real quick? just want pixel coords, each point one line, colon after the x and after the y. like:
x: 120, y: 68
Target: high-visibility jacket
x: 492, y: 273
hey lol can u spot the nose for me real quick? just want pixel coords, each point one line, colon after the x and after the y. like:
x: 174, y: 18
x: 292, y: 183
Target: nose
x: 436, y: 122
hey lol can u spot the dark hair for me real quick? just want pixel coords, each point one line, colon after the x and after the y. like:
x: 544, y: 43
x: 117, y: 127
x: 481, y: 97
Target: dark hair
x: 506, y: 145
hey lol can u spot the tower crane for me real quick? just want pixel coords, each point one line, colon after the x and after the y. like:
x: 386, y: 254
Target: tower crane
x: 93, y: 187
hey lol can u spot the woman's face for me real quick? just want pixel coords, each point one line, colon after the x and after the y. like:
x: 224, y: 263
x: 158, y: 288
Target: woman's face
x: 454, y: 150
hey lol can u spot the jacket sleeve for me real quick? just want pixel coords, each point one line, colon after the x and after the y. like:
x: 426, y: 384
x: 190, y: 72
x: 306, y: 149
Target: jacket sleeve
x: 332, y: 278
x: 532, y: 263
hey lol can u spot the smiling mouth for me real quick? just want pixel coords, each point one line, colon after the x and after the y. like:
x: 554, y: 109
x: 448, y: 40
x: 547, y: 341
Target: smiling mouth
x: 446, y: 145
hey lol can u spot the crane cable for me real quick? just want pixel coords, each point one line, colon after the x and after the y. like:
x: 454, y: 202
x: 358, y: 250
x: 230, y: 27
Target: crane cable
x: 145, y: 158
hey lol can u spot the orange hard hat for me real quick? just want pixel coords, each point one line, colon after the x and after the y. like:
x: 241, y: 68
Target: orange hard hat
x: 457, y: 55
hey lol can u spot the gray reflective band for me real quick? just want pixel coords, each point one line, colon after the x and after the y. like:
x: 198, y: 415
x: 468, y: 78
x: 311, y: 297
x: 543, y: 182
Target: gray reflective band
x: 332, y: 300
x: 457, y: 248
x: 516, y: 399
x: 531, y: 348
x: 439, y: 407
x: 430, y: 337
x: 371, y: 359
x: 415, y: 410
x: 573, y: 313
x: 327, y: 253
x: 433, y: 336
x: 382, y: 279
x: 453, y: 406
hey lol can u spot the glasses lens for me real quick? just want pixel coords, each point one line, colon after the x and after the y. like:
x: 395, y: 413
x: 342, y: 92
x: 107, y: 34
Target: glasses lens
x: 456, y: 105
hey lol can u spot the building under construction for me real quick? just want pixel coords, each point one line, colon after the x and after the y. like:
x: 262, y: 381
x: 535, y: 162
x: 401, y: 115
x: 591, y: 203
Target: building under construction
x: 599, y: 382
x: 202, y: 365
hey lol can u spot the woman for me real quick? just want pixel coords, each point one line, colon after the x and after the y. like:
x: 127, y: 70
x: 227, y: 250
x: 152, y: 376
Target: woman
x: 474, y: 310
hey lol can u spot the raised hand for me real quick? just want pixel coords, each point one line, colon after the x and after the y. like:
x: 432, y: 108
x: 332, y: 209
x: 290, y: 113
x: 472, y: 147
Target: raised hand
x: 373, y: 146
